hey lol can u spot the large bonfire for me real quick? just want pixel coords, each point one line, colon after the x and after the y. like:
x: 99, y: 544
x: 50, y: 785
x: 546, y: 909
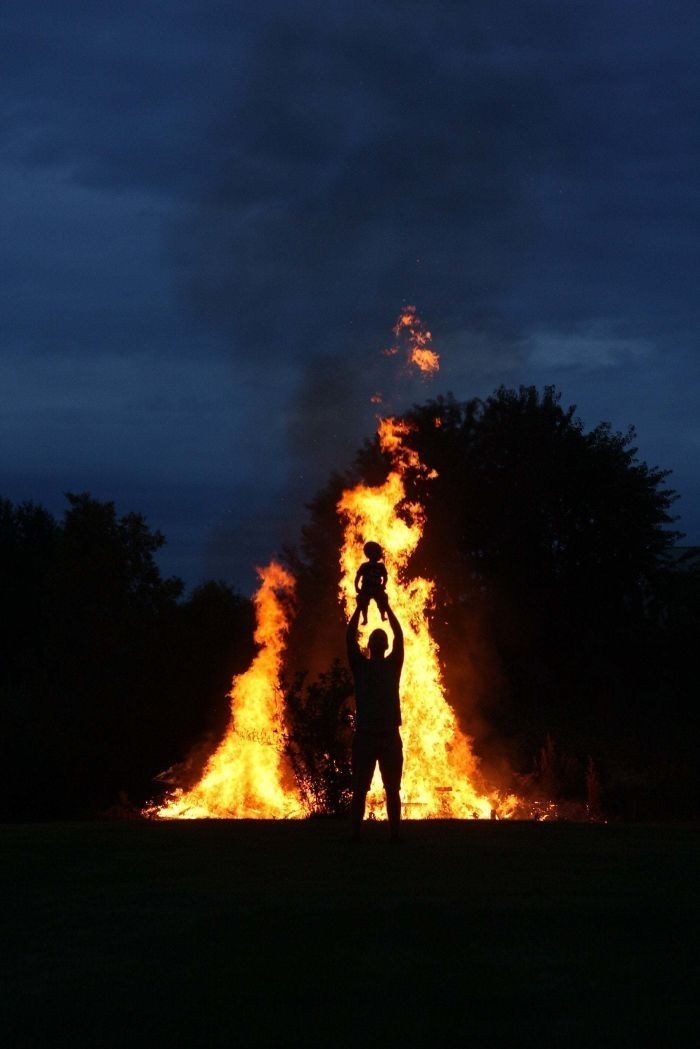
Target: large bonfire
x: 441, y: 773
x: 247, y: 776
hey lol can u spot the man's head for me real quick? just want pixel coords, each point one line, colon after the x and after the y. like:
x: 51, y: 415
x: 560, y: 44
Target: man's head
x: 377, y: 644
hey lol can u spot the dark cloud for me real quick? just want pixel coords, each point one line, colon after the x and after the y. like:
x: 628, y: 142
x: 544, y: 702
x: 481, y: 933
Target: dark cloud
x: 362, y: 168
x: 117, y: 94
x: 447, y: 156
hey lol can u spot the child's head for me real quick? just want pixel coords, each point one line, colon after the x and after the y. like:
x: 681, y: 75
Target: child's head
x: 373, y: 551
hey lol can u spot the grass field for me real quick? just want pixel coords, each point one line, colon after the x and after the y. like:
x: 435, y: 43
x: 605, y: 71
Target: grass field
x: 245, y: 933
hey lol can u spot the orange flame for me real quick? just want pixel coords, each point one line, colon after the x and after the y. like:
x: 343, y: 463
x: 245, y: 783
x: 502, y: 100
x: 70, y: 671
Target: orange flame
x: 441, y: 774
x: 420, y: 352
x: 246, y: 776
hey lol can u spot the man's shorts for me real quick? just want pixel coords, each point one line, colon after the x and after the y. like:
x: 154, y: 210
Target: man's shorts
x: 368, y: 748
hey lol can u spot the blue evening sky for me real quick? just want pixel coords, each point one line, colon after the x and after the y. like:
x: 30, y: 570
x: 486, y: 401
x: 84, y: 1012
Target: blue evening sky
x: 212, y: 213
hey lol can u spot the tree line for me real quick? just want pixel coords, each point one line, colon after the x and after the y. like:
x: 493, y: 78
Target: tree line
x: 107, y: 674
x: 565, y: 611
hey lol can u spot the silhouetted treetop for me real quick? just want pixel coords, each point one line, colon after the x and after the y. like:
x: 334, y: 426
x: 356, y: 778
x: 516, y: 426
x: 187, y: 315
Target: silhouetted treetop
x: 523, y: 493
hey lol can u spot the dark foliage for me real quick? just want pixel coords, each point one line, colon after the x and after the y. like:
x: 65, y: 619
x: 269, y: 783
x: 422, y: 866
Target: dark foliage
x: 318, y: 740
x: 561, y: 612
x: 106, y: 675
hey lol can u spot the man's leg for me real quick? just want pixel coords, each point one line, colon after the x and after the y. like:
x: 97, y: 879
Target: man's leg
x: 393, y: 811
x: 391, y: 768
x: 357, y: 812
x: 363, y: 762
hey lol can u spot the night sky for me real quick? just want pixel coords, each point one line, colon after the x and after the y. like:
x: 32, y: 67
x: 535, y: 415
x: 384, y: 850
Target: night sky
x: 213, y: 213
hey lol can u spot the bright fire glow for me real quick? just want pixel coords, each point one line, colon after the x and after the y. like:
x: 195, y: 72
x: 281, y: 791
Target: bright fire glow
x: 246, y: 777
x: 441, y: 774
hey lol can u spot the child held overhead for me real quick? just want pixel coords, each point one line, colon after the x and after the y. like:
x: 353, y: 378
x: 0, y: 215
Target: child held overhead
x: 370, y: 581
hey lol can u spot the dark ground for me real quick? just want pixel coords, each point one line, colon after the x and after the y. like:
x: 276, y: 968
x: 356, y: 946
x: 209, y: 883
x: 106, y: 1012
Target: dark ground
x: 244, y: 933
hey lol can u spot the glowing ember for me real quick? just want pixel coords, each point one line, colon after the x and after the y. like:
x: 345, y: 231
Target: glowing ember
x: 441, y: 774
x: 246, y: 777
x: 420, y: 352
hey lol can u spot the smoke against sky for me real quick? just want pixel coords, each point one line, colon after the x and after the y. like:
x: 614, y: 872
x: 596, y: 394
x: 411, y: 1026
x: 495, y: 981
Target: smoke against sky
x: 213, y: 214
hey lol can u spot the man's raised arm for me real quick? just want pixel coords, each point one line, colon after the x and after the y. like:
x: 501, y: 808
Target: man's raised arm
x: 397, y: 647
x: 351, y: 634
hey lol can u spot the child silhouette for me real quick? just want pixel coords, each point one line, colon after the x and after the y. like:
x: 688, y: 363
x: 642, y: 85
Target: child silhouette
x: 370, y: 581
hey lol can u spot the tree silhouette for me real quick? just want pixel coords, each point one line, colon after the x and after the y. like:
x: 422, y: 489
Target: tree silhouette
x: 550, y: 547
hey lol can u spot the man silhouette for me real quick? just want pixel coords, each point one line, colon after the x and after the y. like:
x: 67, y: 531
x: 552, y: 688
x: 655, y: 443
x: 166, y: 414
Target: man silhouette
x: 377, y: 719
